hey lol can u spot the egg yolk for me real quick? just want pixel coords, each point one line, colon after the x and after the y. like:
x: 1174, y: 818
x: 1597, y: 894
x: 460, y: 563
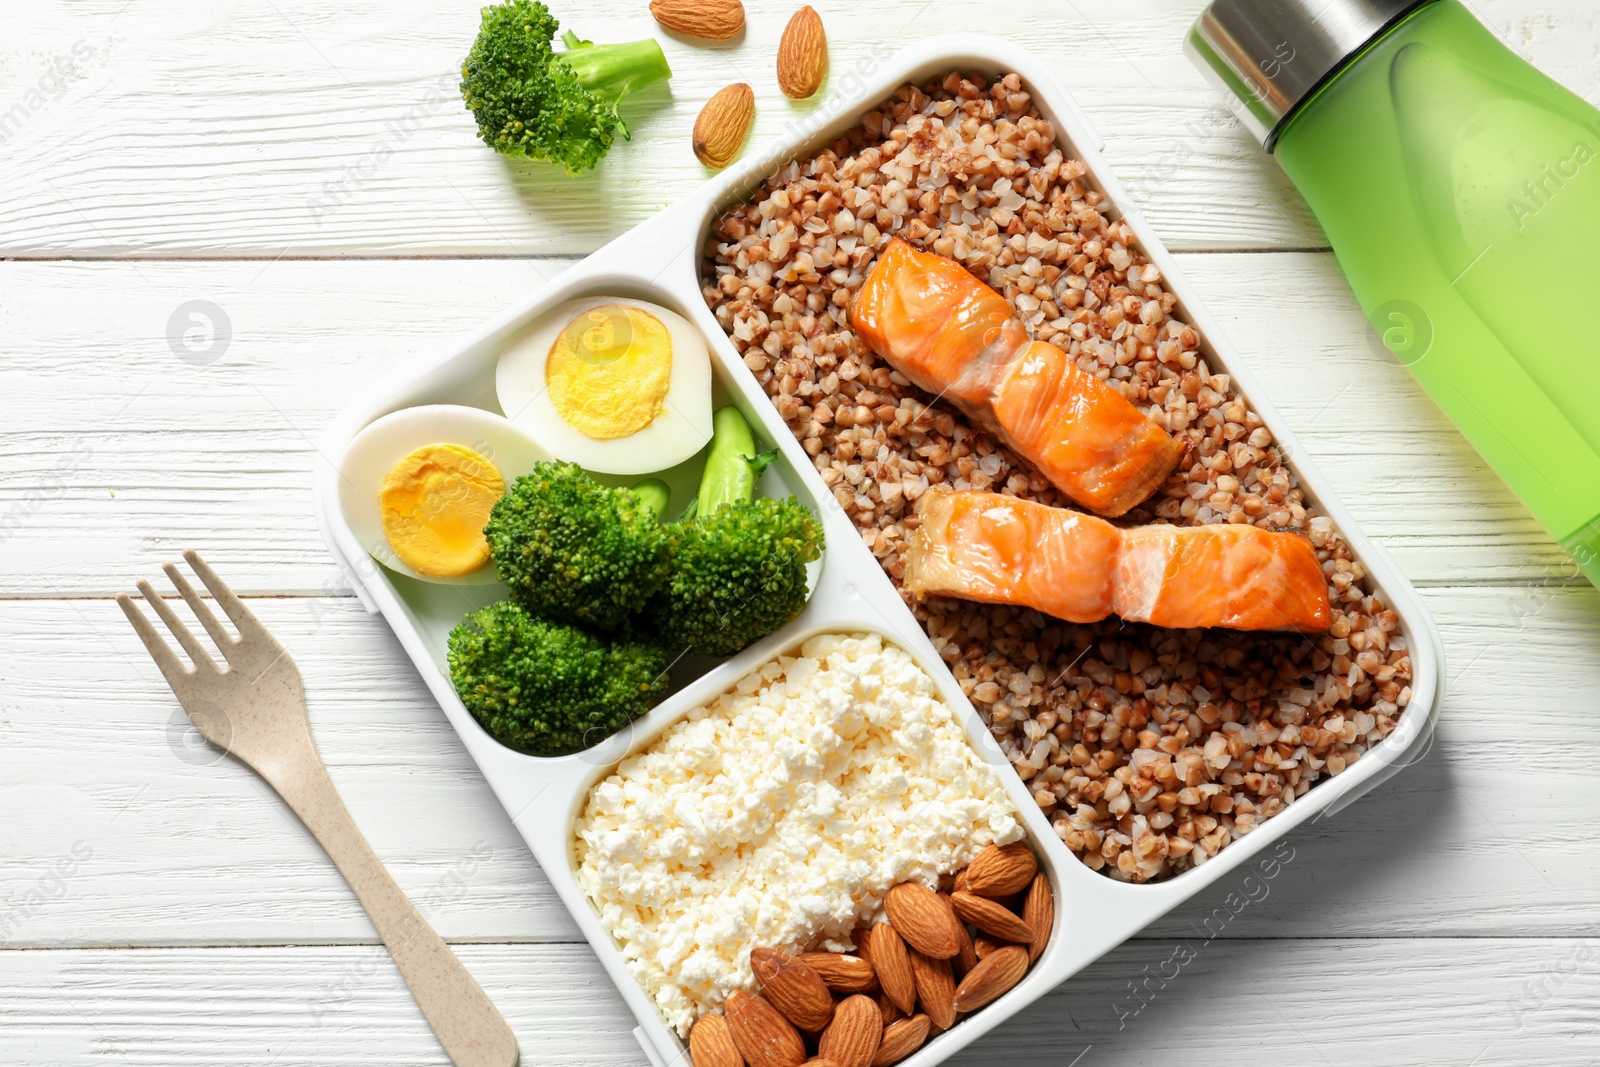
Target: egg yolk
x: 609, y: 370
x: 435, y: 503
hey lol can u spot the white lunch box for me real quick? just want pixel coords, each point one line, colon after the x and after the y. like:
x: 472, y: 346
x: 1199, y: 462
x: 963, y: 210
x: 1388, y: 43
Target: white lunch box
x: 659, y: 261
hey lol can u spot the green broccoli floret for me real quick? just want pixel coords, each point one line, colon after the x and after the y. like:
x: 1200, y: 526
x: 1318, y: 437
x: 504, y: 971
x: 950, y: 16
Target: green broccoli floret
x: 739, y: 565
x: 737, y: 575
x: 575, y: 550
x: 531, y: 100
x: 547, y: 689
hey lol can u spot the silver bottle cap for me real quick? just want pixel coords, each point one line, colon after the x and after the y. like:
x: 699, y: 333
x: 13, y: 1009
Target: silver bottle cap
x: 1272, y: 54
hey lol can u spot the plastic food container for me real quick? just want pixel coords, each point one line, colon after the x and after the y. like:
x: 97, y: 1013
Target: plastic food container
x: 659, y: 261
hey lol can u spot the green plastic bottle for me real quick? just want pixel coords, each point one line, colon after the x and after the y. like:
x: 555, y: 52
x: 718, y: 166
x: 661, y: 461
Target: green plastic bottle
x: 1460, y: 189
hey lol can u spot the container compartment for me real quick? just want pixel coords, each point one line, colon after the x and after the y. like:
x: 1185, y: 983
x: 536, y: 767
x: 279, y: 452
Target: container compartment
x: 434, y: 608
x: 1292, y: 657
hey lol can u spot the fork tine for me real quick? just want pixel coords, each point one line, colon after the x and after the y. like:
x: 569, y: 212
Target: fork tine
x: 159, y: 650
x: 246, y: 623
x: 197, y: 653
x: 207, y: 617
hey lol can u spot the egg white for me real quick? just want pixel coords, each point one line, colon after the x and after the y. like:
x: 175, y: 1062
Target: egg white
x: 386, y: 441
x: 681, y: 430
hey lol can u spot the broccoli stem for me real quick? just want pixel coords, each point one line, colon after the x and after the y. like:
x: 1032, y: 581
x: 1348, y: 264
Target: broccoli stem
x: 615, y: 70
x: 733, y: 464
x: 653, y: 494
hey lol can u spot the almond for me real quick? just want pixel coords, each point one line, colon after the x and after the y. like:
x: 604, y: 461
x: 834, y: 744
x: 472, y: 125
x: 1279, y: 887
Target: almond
x: 966, y: 959
x: 1039, y: 912
x: 1001, y: 870
x: 994, y: 974
x: 802, y: 54
x: 720, y: 130
x: 710, y: 20
x: 793, y: 988
x: 711, y: 1043
x: 919, y: 916
x: 861, y: 937
x: 992, y: 918
x: 891, y: 1013
x: 900, y: 1040
x: 893, y: 967
x: 960, y: 882
x: 984, y: 946
x: 761, y: 1034
x: 818, y: 1061
x: 851, y: 1040
x: 841, y: 973
x: 936, y: 989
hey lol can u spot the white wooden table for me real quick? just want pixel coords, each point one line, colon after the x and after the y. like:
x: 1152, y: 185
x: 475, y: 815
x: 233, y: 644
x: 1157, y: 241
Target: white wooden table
x: 306, y: 167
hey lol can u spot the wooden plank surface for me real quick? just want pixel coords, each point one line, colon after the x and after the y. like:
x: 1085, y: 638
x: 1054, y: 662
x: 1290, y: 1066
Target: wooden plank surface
x: 1399, y: 1002
x: 292, y: 127
x: 308, y: 171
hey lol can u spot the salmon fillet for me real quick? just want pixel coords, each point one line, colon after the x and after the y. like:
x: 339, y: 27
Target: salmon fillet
x: 1231, y: 575
x: 1082, y: 434
x: 936, y: 324
x: 1002, y: 550
x: 958, y: 339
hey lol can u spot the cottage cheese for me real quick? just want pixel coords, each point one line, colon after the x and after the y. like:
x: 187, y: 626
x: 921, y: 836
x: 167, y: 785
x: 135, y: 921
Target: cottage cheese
x: 779, y: 815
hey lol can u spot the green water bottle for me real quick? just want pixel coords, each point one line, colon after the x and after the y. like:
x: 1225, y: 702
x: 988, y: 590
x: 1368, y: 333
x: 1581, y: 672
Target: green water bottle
x: 1460, y: 189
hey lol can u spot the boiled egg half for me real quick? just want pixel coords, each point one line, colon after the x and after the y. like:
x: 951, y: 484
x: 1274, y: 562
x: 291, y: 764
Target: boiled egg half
x: 615, y: 385
x: 417, y: 486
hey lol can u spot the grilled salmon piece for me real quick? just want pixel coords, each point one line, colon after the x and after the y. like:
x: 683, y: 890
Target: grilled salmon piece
x: 1080, y: 432
x: 958, y: 339
x: 936, y: 324
x: 1230, y: 575
x: 1002, y: 550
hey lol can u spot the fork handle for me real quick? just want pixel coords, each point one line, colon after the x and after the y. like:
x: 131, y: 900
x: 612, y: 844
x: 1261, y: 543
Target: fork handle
x: 465, y: 1020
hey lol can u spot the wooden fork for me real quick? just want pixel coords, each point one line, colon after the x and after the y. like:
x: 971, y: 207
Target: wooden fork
x: 255, y: 709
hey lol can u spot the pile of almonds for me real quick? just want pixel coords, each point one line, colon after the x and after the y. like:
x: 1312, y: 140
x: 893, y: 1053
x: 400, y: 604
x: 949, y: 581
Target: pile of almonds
x: 938, y: 957
x: 723, y: 123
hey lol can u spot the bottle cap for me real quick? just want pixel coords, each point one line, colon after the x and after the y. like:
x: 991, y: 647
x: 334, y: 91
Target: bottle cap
x: 1273, y: 54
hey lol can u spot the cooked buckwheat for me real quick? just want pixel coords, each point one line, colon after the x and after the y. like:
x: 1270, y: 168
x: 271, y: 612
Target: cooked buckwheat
x: 1149, y: 749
